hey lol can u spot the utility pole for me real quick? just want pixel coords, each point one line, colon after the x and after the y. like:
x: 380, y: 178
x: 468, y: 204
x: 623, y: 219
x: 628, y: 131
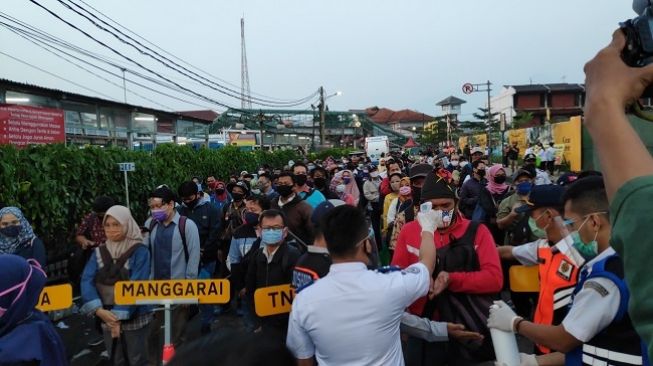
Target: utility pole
x: 322, y: 117
x: 124, y: 85
x: 261, y: 118
x: 489, y: 120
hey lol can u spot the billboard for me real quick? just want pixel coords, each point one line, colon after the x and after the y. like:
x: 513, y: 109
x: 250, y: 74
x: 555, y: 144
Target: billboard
x: 24, y: 125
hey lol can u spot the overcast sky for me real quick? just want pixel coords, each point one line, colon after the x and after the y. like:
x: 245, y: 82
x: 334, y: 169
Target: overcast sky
x: 395, y: 54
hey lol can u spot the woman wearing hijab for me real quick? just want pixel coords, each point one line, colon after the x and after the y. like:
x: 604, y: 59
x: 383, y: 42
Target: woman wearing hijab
x: 344, y: 185
x: 123, y: 257
x: 17, y: 236
x: 490, y: 198
x: 27, y: 336
x: 219, y: 195
x: 400, y: 212
x: 395, y: 180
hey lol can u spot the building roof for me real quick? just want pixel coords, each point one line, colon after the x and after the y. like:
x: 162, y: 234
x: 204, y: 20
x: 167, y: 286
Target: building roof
x: 385, y: 115
x: 450, y: 100
x: 538, y: 88
x: 74, y: 97
x: 206, y: 114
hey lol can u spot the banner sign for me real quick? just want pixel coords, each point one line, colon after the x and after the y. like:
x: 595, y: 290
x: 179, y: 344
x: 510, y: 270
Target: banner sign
x: 205, y: 291
x: 24, y: 125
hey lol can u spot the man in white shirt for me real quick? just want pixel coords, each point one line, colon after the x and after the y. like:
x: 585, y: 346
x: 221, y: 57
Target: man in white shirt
x: 550, y: 158
x: 352, y: 315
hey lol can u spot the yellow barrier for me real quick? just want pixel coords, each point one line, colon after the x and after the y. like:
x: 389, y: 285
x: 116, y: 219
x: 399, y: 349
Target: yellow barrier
x: 57, y: 297
x: 273, y: 300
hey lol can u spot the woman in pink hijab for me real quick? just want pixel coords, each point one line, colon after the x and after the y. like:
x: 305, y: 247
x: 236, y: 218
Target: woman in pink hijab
x: 344, y: 185
x: 496, y: 191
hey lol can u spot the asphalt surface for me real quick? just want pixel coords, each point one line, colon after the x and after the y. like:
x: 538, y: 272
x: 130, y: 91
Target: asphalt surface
x: 78, y: 330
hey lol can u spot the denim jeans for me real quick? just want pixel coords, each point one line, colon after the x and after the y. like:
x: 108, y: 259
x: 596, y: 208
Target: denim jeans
x: 206, y: 310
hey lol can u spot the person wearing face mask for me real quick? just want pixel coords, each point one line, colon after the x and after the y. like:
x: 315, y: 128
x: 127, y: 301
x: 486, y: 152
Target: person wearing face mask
x: 218, y: 194
x: 232, y: 218
x: 373, y: 196
x: 320, y: 180
x: 557, y: 260
x: 123, y: 257
x: 296, y: 211
x: 472, y: 277
x: 393, y: 167
x: 174, y: 244
x: 490, y: 198
x: 265, y: 185
x: 272, y: 265
x: 454, y: 163
x: 17, y: 236
x: 352, y: 303
x: 244, y: 243
x: 310, y: 195
x: 27, y: 336
x: 207, y: 218
x: 395, y: 181
x: 397, y: 216
x: 541, y: 176
x: 472, y: 188
x: 597, y: 328
x: 345, y: 186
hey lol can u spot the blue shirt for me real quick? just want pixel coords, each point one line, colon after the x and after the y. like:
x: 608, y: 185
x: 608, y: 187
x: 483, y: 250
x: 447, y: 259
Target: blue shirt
x: 314, y: 199
x: 168, y: 258
x: 163, y: 252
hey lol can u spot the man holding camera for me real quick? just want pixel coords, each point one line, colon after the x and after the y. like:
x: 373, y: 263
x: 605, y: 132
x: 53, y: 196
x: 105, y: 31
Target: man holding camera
x: 611, y: 86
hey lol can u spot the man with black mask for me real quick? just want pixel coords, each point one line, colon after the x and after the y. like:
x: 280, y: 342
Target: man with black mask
x: 207, y: 218
x: 297, y: 211
x: 541, y: 177
x: 471, y: 190
x: 321, y: 183
x: 312, y: 196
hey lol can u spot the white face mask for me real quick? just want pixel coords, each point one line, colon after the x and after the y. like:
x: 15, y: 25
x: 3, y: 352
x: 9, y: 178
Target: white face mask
x: 463, y: 164
x: 374, y: 174
x: 340, y: 188
x: 454, y: 162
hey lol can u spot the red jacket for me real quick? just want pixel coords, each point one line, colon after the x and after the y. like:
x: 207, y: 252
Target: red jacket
x: 385, y: 188
x: 488, y: 280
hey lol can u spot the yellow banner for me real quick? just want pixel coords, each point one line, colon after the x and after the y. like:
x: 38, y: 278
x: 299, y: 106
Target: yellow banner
x: 480, y: 140
x: 462, y: 141
x: 273, y: 300
x: 521, y: 137
x: 568, y: 140
x: 205, y: 291
x: 59, y: 297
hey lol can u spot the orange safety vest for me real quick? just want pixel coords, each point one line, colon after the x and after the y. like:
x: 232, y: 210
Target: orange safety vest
x: 558, y: 276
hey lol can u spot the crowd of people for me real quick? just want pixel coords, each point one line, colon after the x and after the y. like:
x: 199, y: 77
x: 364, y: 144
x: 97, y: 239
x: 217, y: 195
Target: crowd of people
x: 401, y: 260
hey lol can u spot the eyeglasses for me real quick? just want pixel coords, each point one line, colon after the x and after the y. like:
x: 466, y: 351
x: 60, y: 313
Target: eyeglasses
x: 569, y: 223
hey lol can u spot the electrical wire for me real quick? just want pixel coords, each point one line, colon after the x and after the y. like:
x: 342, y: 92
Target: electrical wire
x: 280, y: 102
x: 55, y: 75
x: 167, y: 62
x: 172, y: 55
x: 45, y: 44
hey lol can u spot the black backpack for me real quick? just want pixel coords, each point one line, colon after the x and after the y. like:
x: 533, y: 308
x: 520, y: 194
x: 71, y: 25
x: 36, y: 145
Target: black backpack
x: 111, y: 272
x: 471, y: 310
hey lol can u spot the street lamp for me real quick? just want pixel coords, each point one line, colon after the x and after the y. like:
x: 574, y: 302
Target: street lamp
x: 322, y: 106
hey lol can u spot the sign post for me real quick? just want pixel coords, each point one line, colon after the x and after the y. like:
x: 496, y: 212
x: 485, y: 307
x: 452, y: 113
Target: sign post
x: 168, y: 293
x: 127, y: 167
x: 469, y: 88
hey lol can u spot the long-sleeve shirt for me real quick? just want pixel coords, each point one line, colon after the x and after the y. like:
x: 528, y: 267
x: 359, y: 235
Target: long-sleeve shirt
x: 489, y: 279
x: 168, y: 258
x: 469, y: 195
x: 209, y: 224
x: 631, y: 238
x: 139, y: 270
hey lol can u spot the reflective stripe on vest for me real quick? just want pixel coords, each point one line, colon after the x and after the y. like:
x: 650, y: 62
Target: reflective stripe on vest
x: 558, y: 275
x: 590, y: 354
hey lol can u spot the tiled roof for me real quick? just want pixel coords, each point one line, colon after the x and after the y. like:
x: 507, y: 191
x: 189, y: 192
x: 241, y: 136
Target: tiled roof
x: 450, y: 100
x: 385, y: 115
x: 207, y: 114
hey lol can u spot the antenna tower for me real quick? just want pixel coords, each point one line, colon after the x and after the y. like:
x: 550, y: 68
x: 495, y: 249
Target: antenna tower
x: 245, y: 92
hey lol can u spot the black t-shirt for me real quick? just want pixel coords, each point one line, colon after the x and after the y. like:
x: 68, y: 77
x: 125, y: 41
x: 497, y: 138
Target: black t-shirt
x: 309, y: 268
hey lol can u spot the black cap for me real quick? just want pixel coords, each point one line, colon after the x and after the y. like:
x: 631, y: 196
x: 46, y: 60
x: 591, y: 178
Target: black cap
x: 530, y: 157
x: 437, y: 187
x: 522, y: 172
x: 542, y: 196
x: 567, y: 179
x: 420, y: 170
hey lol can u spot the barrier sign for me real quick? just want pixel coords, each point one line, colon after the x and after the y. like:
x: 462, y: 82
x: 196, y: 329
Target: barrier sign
x: 57, y: 297
x: 205, y: 291
x: 273, y: 300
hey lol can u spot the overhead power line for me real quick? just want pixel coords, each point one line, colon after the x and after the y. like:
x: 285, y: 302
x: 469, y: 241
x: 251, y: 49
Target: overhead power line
x: 169, y: 63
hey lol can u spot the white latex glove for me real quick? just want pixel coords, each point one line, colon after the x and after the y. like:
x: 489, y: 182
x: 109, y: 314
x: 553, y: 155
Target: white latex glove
x: 429, y: 220
x: 527, y: 360
x: 502, y: 317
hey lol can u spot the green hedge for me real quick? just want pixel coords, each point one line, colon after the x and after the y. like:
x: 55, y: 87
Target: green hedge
x: 56, y: 185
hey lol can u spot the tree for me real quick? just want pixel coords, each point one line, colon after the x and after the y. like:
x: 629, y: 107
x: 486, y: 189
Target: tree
x: 522, y: 119
x: 483, y: 116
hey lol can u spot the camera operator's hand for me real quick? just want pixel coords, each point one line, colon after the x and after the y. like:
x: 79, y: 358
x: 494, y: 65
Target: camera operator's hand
x: 609, y: 82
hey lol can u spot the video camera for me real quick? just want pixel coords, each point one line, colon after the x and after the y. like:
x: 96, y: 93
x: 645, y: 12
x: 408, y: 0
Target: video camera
x: 639, y: 38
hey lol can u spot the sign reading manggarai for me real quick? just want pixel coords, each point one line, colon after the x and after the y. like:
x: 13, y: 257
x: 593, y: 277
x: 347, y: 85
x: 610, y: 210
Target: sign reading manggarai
x: 205, y: 291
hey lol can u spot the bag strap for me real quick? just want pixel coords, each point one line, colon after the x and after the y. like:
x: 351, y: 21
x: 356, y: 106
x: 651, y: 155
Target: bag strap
x: 126, y: 255
x: 182, y: 232
x: 470, y: 234
x: 308, y: 194
x: 105, y: 255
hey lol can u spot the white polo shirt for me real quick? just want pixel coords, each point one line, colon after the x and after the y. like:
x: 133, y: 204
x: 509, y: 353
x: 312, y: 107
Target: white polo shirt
x: 352, y: 315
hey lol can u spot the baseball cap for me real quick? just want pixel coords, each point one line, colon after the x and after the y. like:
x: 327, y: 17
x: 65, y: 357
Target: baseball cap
x: 567, y: 179
x: 420, y: 170
x: 530, y: 157
x: 477, y: 150
x: 520, y: 173
x: 542, y: 196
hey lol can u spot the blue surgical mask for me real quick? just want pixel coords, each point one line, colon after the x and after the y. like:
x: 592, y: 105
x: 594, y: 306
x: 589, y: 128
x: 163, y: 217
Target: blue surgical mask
x: 11, y: 231
x: 271, y: 236
x: 524, y: 188
x: 159, y: 215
